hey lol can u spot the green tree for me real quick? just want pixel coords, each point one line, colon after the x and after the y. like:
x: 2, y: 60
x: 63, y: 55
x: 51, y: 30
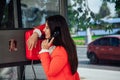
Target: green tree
x: 80, y: 15
x: 104, y: 10
x: 117, y: 7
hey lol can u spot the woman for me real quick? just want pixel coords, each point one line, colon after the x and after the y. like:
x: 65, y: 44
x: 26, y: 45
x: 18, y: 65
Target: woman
x: 58, y: 54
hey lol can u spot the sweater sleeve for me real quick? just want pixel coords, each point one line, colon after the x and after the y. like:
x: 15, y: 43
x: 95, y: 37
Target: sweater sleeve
x: 53, y: 64
x: 39, y: 29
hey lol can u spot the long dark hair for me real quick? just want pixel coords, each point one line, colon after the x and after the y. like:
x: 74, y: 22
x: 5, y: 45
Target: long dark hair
x: 64, y: 39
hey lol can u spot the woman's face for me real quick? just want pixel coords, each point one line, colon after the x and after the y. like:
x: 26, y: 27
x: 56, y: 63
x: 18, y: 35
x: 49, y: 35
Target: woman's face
x: 47, y: 31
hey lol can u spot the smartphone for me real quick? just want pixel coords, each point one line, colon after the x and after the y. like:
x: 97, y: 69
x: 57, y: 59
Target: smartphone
x: 55, y: 33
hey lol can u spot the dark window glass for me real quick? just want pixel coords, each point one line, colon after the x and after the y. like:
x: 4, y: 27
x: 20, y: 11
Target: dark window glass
x: 34, y: 12
x: 114, y: 42
x: 102, y: 42
x: 105, y: 42
x: 97, y: 42
x: 6, y: 14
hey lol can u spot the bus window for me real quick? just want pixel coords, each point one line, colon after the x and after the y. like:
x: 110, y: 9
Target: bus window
x: 35, y: 11
x: 6, y: 14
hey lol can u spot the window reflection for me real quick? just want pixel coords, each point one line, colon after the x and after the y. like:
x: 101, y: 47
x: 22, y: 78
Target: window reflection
x: 35, y: 11
x: 6, y: 14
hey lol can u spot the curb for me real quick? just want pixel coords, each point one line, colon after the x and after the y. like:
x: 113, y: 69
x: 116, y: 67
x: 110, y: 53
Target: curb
x: 97, y: 74
x: 81, y: 46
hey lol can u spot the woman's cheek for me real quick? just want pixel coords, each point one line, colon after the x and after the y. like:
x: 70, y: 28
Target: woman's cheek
x: 47, y: 36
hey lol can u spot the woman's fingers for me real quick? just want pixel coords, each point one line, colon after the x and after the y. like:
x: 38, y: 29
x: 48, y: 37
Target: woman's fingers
x: 46, y: 43
x: 31, y: 43
x: 51, y: 41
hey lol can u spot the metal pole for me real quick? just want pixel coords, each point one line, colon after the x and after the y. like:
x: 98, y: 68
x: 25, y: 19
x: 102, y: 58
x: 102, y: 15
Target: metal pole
x: 63, y: 8
x: 21, y: 72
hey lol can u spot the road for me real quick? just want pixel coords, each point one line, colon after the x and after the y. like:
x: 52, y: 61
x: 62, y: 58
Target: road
x: 86, y: 70
x: 105, y: 70
x: 84, y: 61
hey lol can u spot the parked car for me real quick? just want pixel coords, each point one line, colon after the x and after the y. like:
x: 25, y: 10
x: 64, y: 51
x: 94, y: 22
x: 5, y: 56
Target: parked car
x: 104, y: 48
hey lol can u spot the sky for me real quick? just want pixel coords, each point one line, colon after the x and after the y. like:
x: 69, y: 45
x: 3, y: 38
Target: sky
x: 94, y: 5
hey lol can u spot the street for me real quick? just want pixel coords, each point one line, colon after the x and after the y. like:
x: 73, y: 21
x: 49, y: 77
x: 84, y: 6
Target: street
x: 85, y: 69
x: 84, y: 61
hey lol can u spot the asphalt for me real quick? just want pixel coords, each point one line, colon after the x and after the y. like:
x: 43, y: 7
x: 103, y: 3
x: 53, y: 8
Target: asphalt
x: 98, y: 74
x: 85, y: 73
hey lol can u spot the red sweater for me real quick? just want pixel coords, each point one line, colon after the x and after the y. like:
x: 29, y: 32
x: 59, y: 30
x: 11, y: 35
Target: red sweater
x: 56, y: 65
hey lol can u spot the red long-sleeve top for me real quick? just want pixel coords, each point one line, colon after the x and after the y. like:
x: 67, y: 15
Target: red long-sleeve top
x: 56, y: 65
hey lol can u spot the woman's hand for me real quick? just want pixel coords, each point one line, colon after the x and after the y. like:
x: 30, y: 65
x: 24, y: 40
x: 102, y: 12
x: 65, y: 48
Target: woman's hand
x: 46, y: 43
x: 32, y: 41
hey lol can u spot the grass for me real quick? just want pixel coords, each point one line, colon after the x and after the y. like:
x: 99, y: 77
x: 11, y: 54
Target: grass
x: 80, y: 40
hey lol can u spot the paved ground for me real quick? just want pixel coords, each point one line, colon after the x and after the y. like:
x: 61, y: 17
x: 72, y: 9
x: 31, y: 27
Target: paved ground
x: 97, y: 74
x: 85, y: 73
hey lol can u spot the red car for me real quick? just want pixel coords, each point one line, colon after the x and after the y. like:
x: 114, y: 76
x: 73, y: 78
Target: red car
x: 104, y: 48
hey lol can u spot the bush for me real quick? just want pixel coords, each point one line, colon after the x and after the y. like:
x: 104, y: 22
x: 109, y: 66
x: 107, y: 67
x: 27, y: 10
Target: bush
x: 80, y: 40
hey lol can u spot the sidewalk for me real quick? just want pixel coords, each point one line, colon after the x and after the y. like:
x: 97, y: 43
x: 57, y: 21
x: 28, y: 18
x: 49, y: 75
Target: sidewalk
x: 97, y: 74
x: 85, y: 73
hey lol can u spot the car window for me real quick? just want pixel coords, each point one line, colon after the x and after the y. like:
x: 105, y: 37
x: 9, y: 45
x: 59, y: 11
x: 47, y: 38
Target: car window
x: 115, y: 42
x: 96, y: 42
x: 102, y: 42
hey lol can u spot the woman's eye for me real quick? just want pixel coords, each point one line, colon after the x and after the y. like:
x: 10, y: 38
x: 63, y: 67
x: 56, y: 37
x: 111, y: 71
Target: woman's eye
x: 47, y: 27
